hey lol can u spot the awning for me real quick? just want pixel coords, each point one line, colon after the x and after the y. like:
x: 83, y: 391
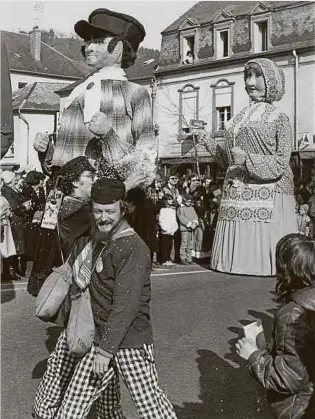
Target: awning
x: 185, y: 160
x: 307, y: 152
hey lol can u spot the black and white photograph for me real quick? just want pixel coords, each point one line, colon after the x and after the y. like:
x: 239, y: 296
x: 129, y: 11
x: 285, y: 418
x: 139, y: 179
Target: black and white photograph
x: 157, y: 179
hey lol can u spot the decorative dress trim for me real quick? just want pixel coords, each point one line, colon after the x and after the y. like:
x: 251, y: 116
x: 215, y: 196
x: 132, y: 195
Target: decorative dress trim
x: 247, y: 202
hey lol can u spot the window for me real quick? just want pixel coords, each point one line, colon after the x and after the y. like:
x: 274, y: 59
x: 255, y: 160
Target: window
x: 261, y: 36
x: 222, y: 44
x: 188, y: 41
x: 188, y: 107
x: 21, y: 85
x: 223, y: 99
x: 188, y: 50
x: 260, y: 32
x: 223, y: 115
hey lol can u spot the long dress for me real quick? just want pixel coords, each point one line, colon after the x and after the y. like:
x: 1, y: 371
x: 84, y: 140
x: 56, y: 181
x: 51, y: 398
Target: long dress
x: 257, y: 206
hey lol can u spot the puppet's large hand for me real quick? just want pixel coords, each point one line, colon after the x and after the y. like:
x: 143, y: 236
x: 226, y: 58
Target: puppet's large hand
x: 100, y: 124
x: 41, y: 141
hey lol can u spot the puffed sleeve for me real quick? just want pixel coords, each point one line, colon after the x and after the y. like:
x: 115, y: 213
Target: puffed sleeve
x: 217, y: 151
x: 143, y: 158
x: 271, y: 167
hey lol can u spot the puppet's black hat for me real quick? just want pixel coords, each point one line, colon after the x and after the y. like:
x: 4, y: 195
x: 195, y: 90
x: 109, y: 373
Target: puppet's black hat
x: 104, y: 22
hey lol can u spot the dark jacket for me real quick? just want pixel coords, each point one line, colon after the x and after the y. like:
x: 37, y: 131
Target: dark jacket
x: 120, y: 293
x: 16, y: 200
x: 74, y: 221
x: 287, y: 372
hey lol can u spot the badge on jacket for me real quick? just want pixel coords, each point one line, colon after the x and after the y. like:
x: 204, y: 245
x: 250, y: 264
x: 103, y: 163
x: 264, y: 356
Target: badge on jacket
x: 99, y: 265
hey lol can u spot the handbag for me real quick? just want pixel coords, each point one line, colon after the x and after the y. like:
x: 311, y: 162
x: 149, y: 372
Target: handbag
x: 80, y: 328
x: 53, y: 292
x: 54, y: 289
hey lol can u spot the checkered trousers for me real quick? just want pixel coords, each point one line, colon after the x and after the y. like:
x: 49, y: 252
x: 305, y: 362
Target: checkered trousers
x: 136, y: 366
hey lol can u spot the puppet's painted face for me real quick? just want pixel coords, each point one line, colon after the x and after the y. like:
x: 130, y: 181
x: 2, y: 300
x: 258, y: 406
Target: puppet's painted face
x: 97, y: 55
x: 255, y: 84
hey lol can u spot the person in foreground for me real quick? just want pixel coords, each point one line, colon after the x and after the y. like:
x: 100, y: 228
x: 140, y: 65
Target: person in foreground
x: 120, y: 292
x: 257, y: 203
x: 287, y: 369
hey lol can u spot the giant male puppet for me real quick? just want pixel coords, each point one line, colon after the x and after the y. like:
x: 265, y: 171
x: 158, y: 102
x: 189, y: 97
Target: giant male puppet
x: 105, y: 111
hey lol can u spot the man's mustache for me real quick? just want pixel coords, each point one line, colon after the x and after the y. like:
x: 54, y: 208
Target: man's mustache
x: 104, y: 223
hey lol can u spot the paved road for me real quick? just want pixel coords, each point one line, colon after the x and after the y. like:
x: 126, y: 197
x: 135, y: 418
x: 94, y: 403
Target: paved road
x: 197, y: 318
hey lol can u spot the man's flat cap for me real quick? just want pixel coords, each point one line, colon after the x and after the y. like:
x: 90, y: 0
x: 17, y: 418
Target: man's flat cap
x: 107, y: 191
x: 104, y: 22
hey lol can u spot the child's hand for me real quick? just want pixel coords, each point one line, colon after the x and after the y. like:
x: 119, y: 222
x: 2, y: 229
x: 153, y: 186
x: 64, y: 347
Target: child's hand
x: 245, y: 347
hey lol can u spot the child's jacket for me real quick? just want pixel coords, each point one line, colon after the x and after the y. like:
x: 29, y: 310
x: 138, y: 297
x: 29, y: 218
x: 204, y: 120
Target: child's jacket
x: 186, y: 216
x: 167, y: 221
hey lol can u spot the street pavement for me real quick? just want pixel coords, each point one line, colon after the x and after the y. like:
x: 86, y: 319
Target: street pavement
x: 197, y: 317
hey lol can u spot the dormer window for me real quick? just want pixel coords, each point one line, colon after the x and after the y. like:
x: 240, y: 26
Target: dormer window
x: 223, y: 44
x: 261, y: 36
x: 188, y: 41
x: 261, y: 29
x: 222, y: 39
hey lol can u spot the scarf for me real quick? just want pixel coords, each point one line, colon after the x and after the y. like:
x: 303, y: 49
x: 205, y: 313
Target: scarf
x: 91, y: 90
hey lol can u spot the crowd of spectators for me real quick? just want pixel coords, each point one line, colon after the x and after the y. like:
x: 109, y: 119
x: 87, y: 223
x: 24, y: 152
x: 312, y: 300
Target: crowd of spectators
x: 23, y: 195
x: 176, y: 216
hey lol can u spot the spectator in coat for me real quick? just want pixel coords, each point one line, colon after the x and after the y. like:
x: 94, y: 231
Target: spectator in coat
x: 19, y: 208
x: 188, y: 222
x: 171, y: 188
x: 33, y: 191
x: 287, y: 369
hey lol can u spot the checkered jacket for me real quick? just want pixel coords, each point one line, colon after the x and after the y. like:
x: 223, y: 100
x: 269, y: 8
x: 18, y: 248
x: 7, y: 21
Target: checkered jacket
x: 131, y: 148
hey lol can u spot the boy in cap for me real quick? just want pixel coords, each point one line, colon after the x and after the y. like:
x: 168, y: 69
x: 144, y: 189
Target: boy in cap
x: 106, y: 105
x: 120, y: 298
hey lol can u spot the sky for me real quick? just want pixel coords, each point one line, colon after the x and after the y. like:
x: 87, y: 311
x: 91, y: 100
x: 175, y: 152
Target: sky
x: 62, y: 15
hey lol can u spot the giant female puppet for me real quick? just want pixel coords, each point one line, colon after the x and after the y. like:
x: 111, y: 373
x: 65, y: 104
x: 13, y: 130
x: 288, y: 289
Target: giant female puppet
x: 257, y: 206
x: 105, y: 111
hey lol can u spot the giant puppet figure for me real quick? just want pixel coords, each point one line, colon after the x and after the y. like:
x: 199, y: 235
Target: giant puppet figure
x: 105, y: 110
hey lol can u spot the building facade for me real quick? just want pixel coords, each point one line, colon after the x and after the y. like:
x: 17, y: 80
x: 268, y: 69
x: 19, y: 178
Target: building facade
x: 200, y: 74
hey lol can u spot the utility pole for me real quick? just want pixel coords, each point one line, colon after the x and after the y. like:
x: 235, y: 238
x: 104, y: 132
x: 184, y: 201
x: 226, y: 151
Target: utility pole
x: 195, y: 126
x: 154, y: 85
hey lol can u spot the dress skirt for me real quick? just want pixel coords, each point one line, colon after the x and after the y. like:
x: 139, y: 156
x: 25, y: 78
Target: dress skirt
x: 248, y: 247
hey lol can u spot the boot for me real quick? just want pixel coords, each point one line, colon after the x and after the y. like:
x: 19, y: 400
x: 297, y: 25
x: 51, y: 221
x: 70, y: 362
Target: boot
x: 13, y: 268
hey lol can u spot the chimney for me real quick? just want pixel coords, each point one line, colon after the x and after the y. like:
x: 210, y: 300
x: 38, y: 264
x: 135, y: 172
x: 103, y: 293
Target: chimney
x: 35, y: 43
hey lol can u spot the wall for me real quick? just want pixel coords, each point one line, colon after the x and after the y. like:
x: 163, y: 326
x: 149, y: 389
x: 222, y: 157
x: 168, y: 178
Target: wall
x: 23, y: 143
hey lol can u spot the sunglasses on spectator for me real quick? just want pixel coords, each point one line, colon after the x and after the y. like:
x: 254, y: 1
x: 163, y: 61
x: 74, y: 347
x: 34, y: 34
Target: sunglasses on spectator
x: 174, y: 177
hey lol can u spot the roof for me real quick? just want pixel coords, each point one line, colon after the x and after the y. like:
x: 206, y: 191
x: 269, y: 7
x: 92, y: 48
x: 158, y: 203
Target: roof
x: 143, y: 68
x: 52, y: 63
x: 38, y: 96
x: 205, y: 11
